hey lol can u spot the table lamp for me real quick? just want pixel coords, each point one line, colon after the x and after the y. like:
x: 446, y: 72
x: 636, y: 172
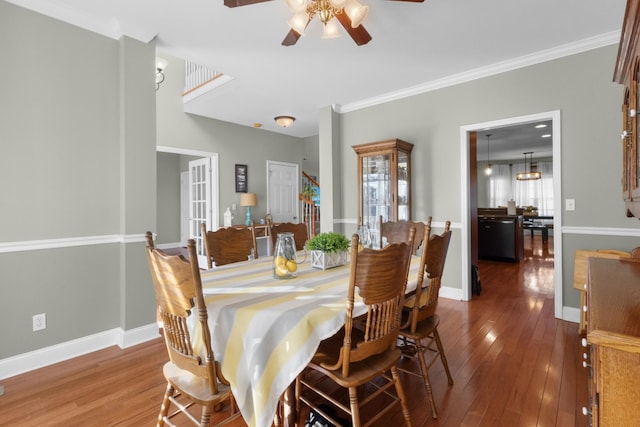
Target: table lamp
x: 248, y: 200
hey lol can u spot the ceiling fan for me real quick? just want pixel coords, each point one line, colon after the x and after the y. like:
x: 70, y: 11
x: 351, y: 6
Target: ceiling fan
x: 350, y: 13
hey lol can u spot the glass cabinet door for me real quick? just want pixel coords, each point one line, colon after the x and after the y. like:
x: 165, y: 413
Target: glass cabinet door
x: 403, y: 186
x: 375, y: 188
x: 384, y: 181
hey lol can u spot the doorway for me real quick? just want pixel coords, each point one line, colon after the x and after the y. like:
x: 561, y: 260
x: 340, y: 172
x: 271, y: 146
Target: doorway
x: 197, y: 194
x: 467, y: 134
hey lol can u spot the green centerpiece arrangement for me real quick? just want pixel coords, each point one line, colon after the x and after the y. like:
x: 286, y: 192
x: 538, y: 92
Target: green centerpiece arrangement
x: 328, y: 250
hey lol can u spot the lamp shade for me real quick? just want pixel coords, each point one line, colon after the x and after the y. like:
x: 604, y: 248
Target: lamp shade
x: 161, y: 63
x: 356, y: 12
x: 299, y: 22
x: 296, y: 5
x: 248, y: 199
x: 330, y: 30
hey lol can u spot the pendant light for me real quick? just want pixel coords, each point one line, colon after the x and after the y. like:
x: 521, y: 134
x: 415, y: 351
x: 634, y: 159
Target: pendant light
x: 488, y: 170
x: 531, y: 173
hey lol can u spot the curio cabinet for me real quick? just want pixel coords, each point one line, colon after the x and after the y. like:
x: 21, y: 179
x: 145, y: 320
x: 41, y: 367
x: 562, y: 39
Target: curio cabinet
x: 384, y: 181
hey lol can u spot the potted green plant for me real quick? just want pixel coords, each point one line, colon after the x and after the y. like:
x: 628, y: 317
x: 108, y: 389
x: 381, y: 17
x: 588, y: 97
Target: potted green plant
x: 328, y: 250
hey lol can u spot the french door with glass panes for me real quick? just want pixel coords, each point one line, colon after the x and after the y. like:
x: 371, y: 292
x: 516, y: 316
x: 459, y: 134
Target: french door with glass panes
x: 203, y: 184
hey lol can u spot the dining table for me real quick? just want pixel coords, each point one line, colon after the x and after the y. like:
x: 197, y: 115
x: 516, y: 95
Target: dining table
x: 265, y: 330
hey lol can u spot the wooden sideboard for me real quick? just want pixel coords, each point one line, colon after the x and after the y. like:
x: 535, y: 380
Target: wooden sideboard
x: 613, y: 341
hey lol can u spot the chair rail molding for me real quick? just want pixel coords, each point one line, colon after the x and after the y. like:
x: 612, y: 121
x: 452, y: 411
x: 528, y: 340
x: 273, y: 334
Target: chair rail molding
x: 66, y: 242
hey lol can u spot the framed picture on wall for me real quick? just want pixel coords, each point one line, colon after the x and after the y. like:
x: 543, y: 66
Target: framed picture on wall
x: 241, y: 178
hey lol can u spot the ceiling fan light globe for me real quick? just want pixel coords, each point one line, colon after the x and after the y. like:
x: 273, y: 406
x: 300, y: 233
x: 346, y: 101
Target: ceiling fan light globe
x: 330, y: 30
x: 338, y: 4
x: 356, y: 12
x: 296, y: 5
x: 298, y: 22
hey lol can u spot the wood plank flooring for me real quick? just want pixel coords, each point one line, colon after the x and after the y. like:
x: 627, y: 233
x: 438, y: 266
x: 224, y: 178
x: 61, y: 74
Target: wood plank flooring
x: 512, y: 363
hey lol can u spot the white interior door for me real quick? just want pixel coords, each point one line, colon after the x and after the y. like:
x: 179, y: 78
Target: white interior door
x: 202, y: 203
x: 282, y: 191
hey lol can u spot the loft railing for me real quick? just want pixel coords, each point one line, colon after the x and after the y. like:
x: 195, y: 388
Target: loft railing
x: 196, y: 76
x: 310, y: 209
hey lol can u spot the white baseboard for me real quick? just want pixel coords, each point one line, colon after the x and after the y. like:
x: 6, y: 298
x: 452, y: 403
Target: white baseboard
x: 450, y: 293
x: 26, y: 362
x: 571, y: 314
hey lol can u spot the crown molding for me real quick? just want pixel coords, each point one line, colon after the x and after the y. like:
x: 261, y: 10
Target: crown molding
x: 580, y: 46
x: 113, y: 28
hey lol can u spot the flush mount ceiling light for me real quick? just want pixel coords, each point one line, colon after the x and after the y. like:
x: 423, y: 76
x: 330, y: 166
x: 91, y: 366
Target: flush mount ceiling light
x: 350, y: 14
x: 161, y: 64
x: 488, y: 170
x: 532, y: 173
x: 284, y: 121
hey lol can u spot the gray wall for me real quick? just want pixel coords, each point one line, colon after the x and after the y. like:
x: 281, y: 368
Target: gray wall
x: 168, y: 202
x: 580, y: 86
x: 77, y: 142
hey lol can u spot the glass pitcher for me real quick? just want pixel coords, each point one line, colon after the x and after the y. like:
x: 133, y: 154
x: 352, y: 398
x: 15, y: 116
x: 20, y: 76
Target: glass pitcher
x: 285, y: 264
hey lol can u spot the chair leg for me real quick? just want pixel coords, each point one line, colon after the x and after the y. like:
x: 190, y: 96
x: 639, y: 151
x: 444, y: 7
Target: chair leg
x: 425, y: 375
x: 164, y: 408
x: 353, y: 403
x: 401, y: 396
x: 205, y: 418
x: 436, y: 335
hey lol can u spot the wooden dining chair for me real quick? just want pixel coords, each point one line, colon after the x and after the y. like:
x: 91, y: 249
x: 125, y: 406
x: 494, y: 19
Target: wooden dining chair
x: 419, y: 331
x: 229, y: 245
x: 300, y: 233
x: 398, y: 231
x: 365, y: 348
x: 193, y: 376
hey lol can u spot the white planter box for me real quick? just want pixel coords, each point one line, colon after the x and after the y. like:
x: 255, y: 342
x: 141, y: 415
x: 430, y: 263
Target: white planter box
x: 324, y: 260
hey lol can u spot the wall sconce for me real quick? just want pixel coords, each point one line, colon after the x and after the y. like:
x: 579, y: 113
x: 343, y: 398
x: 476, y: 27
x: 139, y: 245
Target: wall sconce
x: 161, y: 64
x: 284, y: 121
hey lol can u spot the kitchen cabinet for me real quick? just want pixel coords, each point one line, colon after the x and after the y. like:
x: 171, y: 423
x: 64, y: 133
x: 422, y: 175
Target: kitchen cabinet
x: 501, y: 237
x: 384, y: 181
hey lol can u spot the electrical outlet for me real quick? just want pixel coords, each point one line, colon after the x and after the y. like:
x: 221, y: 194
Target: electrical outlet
x: 39, y: 322
x: 233, y: 206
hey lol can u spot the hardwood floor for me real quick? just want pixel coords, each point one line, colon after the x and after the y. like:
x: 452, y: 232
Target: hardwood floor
x: 512, y: 363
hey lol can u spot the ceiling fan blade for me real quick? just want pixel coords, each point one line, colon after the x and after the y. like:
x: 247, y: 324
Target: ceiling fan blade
x: 236, y: 3
x: 358, y: 34
x: 291, y: 38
